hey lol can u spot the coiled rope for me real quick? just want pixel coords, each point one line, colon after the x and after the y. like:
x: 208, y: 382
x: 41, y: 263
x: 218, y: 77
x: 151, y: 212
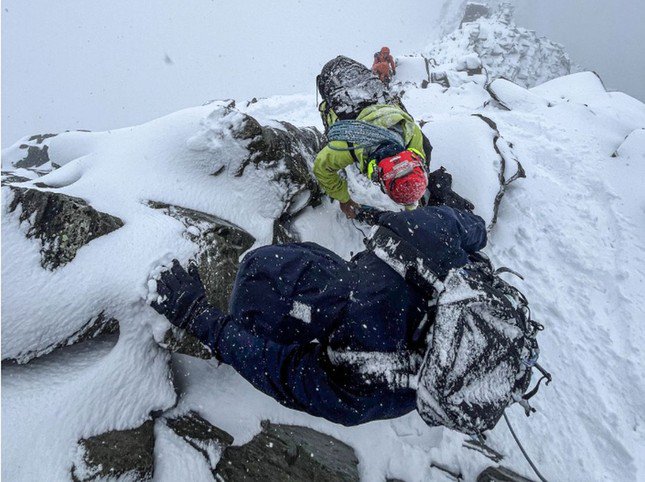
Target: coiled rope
x: 362, y: 135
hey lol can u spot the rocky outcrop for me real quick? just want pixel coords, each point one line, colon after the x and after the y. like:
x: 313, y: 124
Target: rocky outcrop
x: 289, y: 151
x: 474, y: 11
x: 62, y: 223
x: 505, y: 50
x: 288, y: 452
x: 10, y: 178
x: 98, y: 325
x: 201, y: 435
x: 118, y: 454
x: 504, y: 150
x: 37, y: 154
x: 221, y: 245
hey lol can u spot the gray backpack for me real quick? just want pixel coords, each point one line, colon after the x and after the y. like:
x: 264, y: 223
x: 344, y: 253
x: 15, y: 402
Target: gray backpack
x: 481, y: 348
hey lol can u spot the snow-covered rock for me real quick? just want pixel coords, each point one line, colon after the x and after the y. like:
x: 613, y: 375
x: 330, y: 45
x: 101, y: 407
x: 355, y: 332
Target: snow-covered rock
x: 505, y: 50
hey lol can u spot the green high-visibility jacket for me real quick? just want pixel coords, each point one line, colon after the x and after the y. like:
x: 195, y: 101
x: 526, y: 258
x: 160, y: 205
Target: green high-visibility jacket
x: 329, y: 161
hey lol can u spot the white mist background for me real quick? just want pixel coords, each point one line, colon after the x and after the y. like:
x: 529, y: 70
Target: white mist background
x: 79, y: 64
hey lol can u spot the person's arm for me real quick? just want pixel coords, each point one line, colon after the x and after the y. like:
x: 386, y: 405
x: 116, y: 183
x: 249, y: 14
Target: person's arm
x: 392, y: 64
x: 416, y: 141
x: 297, y: 375
x: 376, y: 61
x: 326, y: 167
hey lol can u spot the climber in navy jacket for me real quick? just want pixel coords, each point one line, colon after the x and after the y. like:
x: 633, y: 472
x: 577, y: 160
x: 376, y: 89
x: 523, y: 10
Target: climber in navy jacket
x: 314, y: 331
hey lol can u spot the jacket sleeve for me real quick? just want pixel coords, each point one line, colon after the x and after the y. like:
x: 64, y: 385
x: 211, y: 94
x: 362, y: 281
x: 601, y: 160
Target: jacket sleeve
x: 296, y: 375
x: 416, y: 141
x: 392, y: 63
x: 326, y: 167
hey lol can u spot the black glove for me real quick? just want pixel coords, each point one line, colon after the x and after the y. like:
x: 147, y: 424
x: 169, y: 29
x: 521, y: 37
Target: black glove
x: 181, y: 293
x: 369, y: 214
x: 440, y: 192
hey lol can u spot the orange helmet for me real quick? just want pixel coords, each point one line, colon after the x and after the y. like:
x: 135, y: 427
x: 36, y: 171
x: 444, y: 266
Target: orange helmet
x: 385, y: 50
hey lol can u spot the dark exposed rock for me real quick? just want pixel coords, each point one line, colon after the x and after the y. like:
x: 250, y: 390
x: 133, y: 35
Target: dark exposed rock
x: 200, y: 434
x: 62, y: 223
x: 10, y: 178
x: 504, y: 150
x: 287, y: 452
x: 118, y: 453
x: 282, y: 232
x: 500, y: 474
x: 36, y: 156
x: 440, y: 78
x: 98, y: 325
x: 180, y: 341
x: 475, y: 11
x: 221, y: 245
x: 39, y: 138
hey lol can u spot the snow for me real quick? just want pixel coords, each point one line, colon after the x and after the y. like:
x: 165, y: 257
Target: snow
x: 301, y: 311
x: 512, y: 96
x: 574, y: 228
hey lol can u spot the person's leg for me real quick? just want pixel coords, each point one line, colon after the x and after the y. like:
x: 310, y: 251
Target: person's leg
x: 291, y: 293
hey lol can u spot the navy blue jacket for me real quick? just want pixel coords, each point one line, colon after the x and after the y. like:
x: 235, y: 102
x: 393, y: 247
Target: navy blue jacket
x: 293, y: 302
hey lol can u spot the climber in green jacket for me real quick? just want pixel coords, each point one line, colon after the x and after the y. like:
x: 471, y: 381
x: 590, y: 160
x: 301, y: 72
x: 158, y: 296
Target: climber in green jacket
x: 399, y: 167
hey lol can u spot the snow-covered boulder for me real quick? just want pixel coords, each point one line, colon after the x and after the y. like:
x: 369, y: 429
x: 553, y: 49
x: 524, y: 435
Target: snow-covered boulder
x: 512, y: 96
x: 103, y: 219
x: 62, y: 223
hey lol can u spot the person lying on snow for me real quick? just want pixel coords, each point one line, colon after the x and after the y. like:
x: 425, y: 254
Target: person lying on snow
x: 346, y: 340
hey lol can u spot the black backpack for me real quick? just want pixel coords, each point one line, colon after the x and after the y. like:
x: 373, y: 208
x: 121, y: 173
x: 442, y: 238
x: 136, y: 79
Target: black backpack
x: 347, y: 87
x: 481, y: 348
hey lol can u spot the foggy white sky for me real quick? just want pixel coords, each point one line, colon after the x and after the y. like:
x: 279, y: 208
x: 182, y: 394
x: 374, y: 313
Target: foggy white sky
x: 100, y: 64
x: 97, y: 65
x: 607, y: 36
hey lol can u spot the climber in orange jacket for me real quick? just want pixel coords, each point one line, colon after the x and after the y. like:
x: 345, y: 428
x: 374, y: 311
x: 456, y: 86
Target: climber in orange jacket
x: 384, y: 65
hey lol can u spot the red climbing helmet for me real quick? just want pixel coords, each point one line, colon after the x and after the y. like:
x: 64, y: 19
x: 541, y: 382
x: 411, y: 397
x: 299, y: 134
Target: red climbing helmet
x: 403, y: 177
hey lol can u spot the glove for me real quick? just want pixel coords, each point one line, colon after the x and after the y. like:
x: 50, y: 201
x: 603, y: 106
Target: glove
x: 369, y: 214
x: 181, y: 294
x: 441, y: 193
